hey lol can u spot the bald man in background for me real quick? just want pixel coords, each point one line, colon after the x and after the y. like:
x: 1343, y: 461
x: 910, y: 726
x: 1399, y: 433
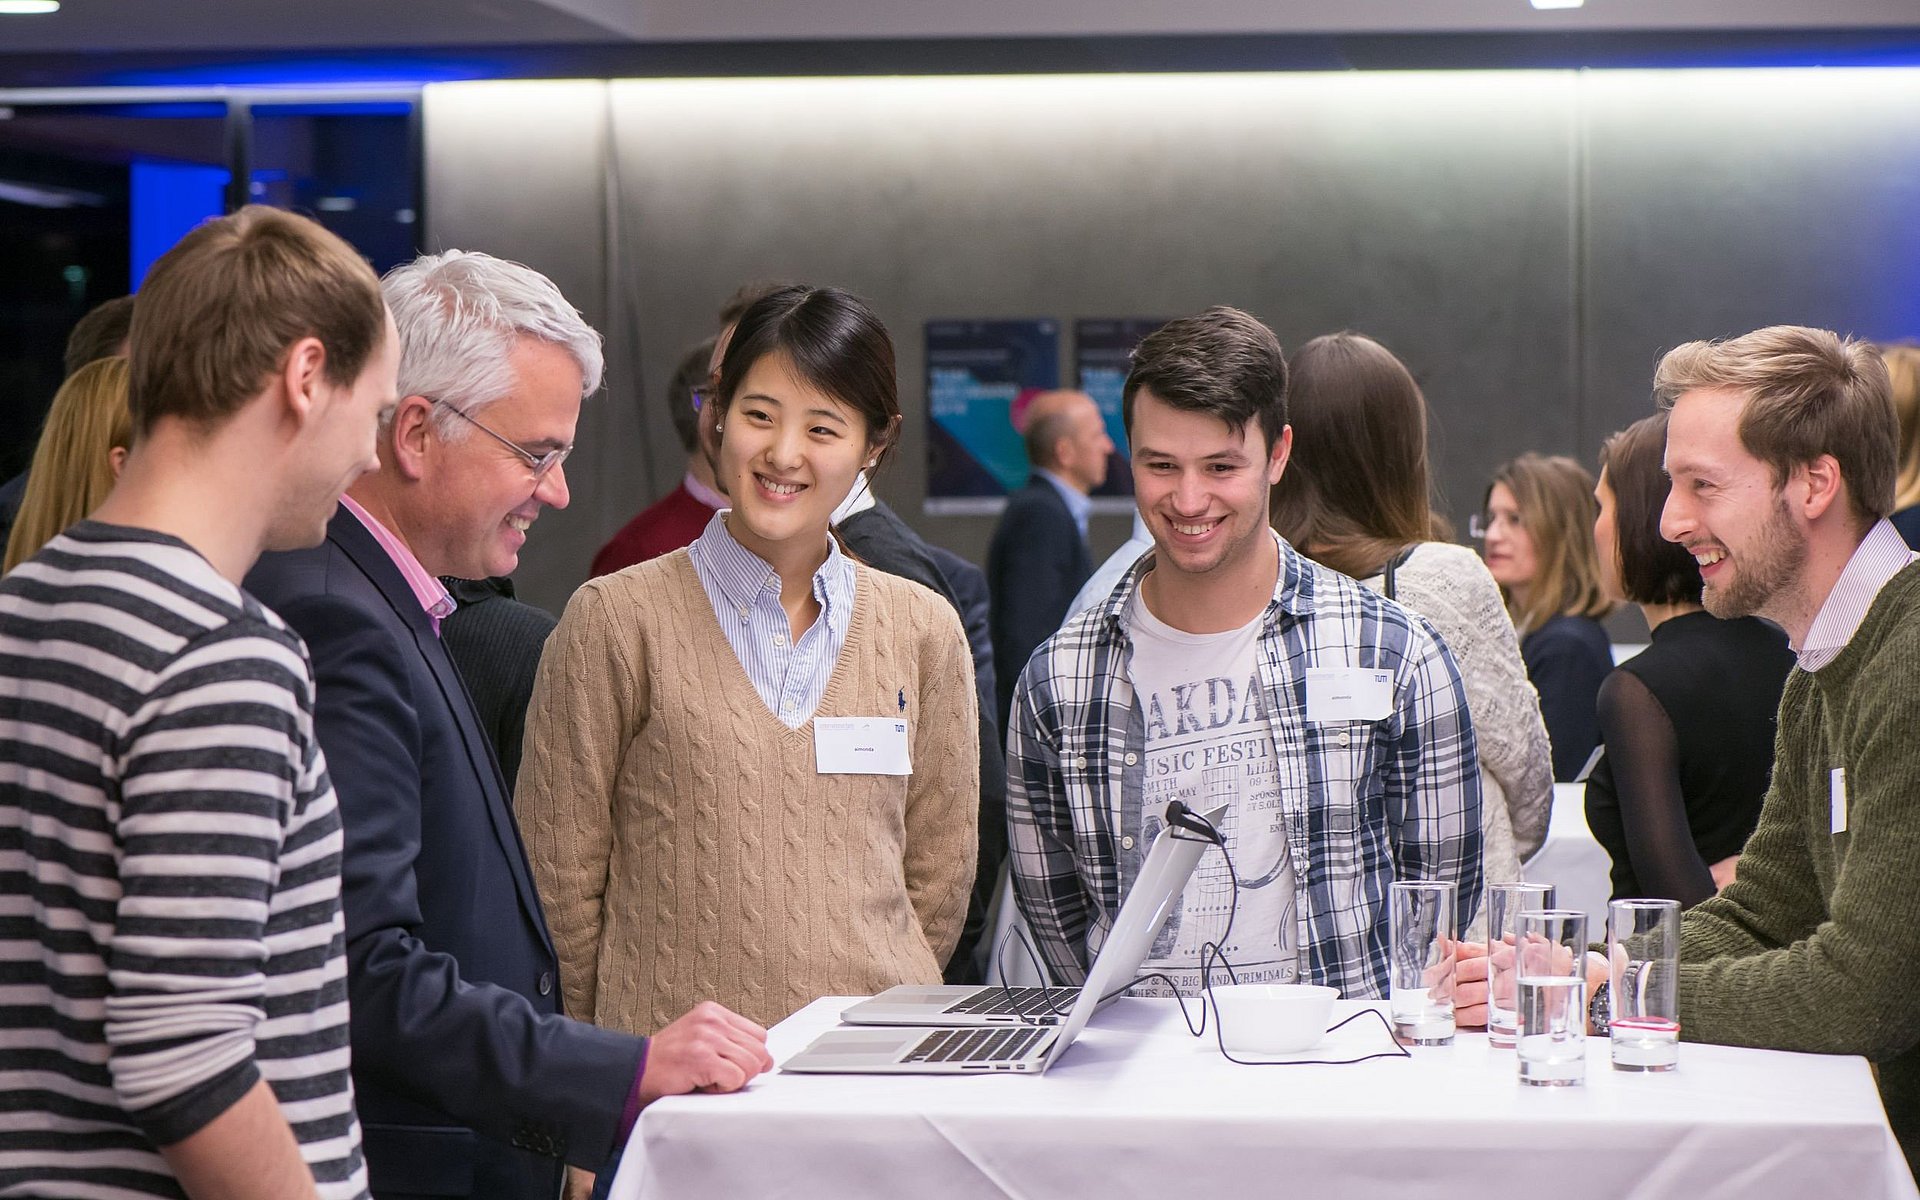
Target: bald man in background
x: 1039, y: 556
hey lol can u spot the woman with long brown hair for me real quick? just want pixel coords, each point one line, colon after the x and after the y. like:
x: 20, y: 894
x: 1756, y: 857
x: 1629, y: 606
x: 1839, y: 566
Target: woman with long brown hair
x: 1355, y: 498
x: 1537, y: 537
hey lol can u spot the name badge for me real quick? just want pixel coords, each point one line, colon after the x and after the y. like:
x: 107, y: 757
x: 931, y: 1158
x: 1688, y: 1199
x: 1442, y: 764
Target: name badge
x: 1837, y: 785
x: 1348, y: 694
x: 860, y: 746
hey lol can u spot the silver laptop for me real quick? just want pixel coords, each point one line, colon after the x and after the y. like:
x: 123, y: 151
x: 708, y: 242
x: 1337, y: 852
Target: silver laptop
x: 1021, y: 1046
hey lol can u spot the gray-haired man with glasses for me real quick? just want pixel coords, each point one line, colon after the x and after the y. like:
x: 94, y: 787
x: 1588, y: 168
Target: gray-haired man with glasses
x: 468, y: 1079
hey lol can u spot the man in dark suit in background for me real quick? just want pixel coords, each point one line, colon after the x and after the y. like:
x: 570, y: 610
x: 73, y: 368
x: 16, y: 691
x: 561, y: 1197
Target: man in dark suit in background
x: 1039, y: 556
x: 468, y: 1079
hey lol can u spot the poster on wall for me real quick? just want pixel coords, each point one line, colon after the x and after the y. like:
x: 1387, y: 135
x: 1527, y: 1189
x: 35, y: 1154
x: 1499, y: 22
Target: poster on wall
x: 980, y: 376
x: 1102, y: 352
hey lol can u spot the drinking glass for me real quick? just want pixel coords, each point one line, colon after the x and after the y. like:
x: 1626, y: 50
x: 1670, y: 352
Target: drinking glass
x: 1505, y: 903
x: 1421, y: 951
x: 1643, y: 957
x: 1550, y: 989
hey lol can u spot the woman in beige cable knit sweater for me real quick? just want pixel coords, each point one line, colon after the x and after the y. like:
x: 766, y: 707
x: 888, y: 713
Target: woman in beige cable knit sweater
x: 708, y: 791
x: 1355, y: 499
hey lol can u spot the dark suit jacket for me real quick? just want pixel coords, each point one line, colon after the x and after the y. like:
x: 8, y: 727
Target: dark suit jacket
x: 1036, y: 564
x: 467, y: 1079
x: 880, y: 538
x: 496, y: 639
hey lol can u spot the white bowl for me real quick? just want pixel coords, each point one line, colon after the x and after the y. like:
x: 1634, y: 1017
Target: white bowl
x: 1272, y: 1018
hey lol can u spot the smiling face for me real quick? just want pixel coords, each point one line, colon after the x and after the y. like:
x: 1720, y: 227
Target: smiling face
x: 1508, y: 547
x: 1726, y: 511
x: 480, y: 497
x: 788, y: 455
x: 1201, y: 486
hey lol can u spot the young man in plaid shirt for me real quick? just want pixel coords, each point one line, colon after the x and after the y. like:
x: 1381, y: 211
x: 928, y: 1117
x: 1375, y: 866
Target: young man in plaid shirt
x: 1227, y: 668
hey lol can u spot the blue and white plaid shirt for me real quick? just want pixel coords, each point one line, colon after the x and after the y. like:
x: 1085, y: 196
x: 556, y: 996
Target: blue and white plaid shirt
x: 1365, y: 803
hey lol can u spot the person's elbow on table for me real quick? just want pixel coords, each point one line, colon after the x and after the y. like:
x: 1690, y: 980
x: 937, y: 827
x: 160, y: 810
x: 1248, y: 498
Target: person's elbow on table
x: 709, y: 1048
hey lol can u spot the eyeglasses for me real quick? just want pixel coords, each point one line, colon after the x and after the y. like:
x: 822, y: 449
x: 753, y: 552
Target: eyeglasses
x: 539, y: 464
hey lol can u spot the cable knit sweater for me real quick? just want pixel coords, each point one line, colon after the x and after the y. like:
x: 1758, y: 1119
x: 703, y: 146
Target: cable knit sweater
x: 684, y: 845
x: 1450, y: 587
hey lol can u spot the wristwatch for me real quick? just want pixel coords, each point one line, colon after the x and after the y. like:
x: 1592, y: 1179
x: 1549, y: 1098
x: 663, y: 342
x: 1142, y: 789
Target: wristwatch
x: 1600, y: 1010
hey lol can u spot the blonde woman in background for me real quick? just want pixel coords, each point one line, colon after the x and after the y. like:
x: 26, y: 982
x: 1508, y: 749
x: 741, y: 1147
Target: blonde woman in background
x: 1903, y: 372
x: 1355, y: 498
x: 78, y: 459
x: 1537, y: 538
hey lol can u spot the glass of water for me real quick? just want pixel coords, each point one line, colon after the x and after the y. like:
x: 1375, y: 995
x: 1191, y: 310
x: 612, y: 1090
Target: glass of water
x: 1421, y: 952
x: 1550, y: 978
x: 1505, y: 903
x: 1643, y: 956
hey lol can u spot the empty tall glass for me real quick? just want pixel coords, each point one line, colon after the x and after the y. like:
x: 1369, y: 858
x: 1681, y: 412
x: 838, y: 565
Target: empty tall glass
x: 1643, y: 956
x: 1421, y: 959
x: 1551, y: 997
x: 1505, y: 903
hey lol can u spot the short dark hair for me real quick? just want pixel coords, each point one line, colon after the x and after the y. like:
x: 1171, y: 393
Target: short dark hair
x: 219, y: 312
x: 690, y: 374
x: 99, y: 334
x: 836, y: 342
x: 1653, y: 570
x: 743, y: 298
x: 1221, y: 362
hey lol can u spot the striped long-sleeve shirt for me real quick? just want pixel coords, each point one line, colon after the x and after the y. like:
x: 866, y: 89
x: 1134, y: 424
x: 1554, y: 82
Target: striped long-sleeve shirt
x: 1364, y: 803
x: 170, y: 922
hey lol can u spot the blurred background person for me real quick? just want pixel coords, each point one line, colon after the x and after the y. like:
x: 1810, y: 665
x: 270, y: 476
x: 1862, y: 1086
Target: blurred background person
x: 102, y: 333
x: 1039, y: 557
x: 1356, y: 498
x: 689, y: 830
x: 78, y: 457
x: 1903, y: 372
x: 1688, y: 723
x: 1536, y: 527
x: 678, y: 517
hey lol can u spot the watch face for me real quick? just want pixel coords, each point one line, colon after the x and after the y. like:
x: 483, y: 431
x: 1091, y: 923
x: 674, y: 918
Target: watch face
x: 1600, y: 1009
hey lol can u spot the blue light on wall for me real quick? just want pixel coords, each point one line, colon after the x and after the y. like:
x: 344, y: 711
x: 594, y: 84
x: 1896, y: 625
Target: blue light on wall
x: 166, y: 200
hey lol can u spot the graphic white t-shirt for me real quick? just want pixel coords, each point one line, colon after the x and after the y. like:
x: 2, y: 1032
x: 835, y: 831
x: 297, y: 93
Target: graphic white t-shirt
x: 1209, y: 742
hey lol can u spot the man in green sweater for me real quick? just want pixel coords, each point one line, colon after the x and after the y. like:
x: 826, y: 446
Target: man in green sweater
x: 1781, y: 449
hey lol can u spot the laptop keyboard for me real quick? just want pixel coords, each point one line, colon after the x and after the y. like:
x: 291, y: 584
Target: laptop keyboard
x: 1017, y: 1002
x: 976, y: 1045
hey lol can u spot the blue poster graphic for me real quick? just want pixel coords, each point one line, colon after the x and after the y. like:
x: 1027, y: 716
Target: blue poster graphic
x: 979, y: 375
x: 1102, y: 353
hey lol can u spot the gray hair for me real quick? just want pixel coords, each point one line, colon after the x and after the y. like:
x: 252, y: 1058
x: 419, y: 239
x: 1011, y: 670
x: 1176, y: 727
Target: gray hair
x: 459, y: 314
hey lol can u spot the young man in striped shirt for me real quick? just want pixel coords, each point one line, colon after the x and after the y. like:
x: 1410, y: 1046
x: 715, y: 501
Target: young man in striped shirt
x: 172, y: 967
x: 1228, y: 669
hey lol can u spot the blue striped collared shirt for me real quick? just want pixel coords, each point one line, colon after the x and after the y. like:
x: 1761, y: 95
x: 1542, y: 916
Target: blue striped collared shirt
x: 744, y: 590
x: 1365, y: 803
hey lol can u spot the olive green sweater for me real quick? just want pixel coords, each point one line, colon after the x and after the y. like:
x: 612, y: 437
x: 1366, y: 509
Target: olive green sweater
x: 1816, y: 945
x: 684, y: 844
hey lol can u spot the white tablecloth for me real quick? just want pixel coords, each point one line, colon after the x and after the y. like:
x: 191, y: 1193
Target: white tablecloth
x: 1137, y: 1108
